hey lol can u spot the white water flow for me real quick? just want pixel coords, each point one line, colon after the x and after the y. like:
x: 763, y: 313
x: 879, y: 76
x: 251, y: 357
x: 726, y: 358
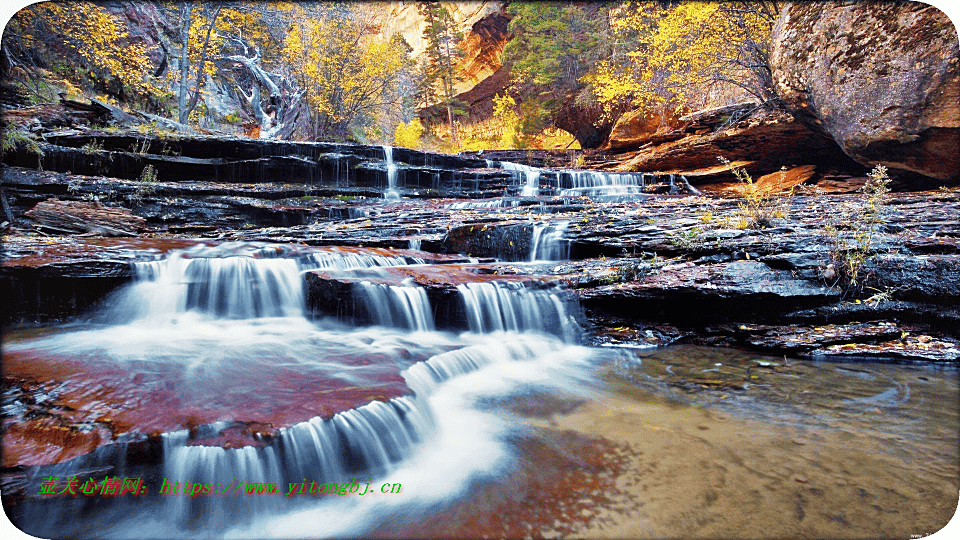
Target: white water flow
x: 397, y: 306
x: 598, y: 184
x: 548, y: 242
x: 221, y: 331
x: 530, y: 176
x: 210, y: 346
x: 517, y: 307
x: 391, y: 194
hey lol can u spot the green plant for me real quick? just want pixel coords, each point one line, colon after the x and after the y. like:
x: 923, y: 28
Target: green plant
x: 852, y: 231
x: 13, y: 138
x: 92, y: 147
x: 147, y: 178
x: 142, y: 147
x: 233, y: 118
x: 759, y: 206
x: 688, y: 239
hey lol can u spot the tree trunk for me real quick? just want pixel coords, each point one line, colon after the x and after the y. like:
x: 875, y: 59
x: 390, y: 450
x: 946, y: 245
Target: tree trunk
x: 285, y: 102
x: 187, y: 11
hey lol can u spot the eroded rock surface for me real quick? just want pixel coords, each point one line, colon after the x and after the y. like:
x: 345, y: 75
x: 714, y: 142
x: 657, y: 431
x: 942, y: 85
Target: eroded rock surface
x: 881, y: 78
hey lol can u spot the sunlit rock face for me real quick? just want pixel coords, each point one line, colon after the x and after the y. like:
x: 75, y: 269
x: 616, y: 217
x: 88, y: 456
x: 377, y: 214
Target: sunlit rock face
x: 882, y: 79
x: 484, y: 27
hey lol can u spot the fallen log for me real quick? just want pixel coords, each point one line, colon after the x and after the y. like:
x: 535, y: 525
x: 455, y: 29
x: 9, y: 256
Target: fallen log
x: 74, y: 217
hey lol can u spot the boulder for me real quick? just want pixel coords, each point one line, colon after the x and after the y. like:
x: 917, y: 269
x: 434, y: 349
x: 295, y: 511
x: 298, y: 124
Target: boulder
x: 880, y: 78
x: 637, y: 127
x: 767, y: 140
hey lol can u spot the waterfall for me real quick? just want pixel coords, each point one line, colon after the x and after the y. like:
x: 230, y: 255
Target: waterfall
x: 350, y: 446
x: 548, y: 243
x: 339, y: 261
x: 232, y: 281
x: 517, y: 307
x: 425, y: 376
x: 391, y: 194
x: 531, y: 177
x: 397, y: 306
x: 220, y: 336
x: 232, y: 287
x: 597, y: 183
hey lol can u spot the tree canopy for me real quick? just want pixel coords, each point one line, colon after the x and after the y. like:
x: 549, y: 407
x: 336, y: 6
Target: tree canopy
x: 327, y: 70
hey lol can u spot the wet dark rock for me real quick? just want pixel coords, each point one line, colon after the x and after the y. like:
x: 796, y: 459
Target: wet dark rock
x: 687, y: 293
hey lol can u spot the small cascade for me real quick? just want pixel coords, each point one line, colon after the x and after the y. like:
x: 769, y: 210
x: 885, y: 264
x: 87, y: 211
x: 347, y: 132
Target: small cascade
x: 597, y: 183
x: 397, y: 306
x: 232, y: 287
x: 424, y: 377
x: 340, y: 261
x: 548, y: 243
x: 349, y: 447
x: 516, y: 307
x: 530, y: 176
x: 391, y: 194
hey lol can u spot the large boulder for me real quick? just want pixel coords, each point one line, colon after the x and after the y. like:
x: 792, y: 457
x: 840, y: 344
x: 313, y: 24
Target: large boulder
x: 881, y: 78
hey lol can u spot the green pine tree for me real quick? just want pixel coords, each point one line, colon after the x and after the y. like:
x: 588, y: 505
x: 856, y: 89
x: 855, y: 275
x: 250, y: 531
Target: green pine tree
x: 443, y: 52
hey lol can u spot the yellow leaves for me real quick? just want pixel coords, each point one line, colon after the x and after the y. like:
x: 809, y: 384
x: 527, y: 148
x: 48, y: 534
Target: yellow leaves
x: 98, y: 36
x: 677, y: 51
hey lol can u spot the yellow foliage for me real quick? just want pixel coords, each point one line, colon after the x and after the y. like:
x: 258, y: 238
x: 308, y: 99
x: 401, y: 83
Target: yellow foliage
x: 679, y: 53
x: 408, y: 134
x: 97, y: 36
x: 504, y: 110
x: 342, y: 73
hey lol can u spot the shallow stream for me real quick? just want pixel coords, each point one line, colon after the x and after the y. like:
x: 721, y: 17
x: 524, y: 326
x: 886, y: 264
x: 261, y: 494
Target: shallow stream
x: 510, y: 429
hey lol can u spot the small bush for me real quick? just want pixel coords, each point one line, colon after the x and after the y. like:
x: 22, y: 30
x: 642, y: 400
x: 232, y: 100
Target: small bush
x: 92, y: 147
x: 147, y: 178
x: 13, y: 138
x: 408, y: 134
x: 852, y: 230
x: 759, y: 206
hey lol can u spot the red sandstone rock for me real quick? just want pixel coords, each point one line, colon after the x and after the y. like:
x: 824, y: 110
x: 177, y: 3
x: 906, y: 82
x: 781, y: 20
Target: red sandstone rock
x: 881, y: 78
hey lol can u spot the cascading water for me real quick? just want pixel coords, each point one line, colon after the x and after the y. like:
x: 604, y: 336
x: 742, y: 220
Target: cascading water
x: 224, y: 328
x: 391, y: 194
x: 516, y: 307
x: 599, y: 184
x: 530, y: 176
x: 397, y: 306
x: 548, y: 243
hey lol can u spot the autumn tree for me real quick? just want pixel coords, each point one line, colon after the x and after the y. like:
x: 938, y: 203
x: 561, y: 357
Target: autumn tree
x: 85, y: 33
x: 349, y: 75
x: 684, y: 52
x: 554, y: 45
x: 438, y: 74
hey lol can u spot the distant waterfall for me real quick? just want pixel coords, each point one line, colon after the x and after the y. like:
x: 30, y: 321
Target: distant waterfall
x: 530, y: 175
x: 597, y: 183
x: 391, y: 194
